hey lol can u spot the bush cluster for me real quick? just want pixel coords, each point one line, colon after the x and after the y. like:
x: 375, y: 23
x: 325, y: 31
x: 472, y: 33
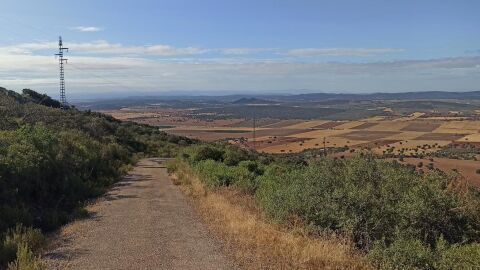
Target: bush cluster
x: 400, y: 218
x: 44, y: 175
x: 52, y: 160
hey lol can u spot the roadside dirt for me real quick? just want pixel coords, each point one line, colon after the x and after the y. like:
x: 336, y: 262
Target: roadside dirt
x: 144, y: 222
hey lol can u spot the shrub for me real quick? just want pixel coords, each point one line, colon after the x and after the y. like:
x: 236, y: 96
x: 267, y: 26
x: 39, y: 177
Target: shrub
x: 214, y: 174
x: 244, y: 179
x: 402, y: 254
x: 401, y: 218
x: 19, y: 235
x: 370, y: 200
x: 26, y: 260
x: 17, y: 238
x: 458, y: 257
x: 234, y: 155
x: 205, y: 152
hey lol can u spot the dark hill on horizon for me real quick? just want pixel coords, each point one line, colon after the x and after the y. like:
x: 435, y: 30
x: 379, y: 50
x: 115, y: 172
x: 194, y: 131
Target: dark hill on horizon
x: 386, y: 96
x: 252, y: 100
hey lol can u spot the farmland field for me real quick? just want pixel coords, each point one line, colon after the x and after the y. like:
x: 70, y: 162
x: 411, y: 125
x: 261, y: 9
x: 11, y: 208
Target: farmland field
x: 414, y: 137
x: 407, y: 131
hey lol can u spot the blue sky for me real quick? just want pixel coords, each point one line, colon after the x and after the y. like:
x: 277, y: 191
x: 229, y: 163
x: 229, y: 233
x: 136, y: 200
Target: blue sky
x: 242, y: 46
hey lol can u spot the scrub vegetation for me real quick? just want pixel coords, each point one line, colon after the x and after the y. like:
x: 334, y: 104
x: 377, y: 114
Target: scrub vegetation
x: 397, y: 217
x: 52, y: 160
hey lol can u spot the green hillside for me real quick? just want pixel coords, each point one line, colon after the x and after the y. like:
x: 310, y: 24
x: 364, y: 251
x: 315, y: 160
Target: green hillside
x: 52, y: 160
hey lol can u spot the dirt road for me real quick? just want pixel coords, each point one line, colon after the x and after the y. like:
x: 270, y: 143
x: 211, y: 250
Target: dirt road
x: 144, y: 222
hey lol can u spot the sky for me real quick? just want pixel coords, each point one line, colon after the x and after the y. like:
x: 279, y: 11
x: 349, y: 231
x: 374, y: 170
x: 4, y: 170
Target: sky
x: 128, y: 47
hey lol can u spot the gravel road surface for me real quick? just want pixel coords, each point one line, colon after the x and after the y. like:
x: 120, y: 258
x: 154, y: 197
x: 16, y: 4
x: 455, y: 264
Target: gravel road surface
x: 144, y: 222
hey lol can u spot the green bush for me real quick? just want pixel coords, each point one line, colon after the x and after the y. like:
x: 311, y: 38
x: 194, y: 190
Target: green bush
x: 214, y: 174
x: 401, y: 218
x: 243, y: 178
x: 234, y: 155
x: 370, y: 200
x: 402, y: 254
x: 205, y: 152
x: 458, y: 257
x: 414, y: 254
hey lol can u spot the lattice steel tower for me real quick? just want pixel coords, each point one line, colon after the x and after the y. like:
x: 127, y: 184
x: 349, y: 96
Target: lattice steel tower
x: 62, y: 60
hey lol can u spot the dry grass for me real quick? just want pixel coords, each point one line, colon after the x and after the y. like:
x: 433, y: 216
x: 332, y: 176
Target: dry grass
x: 256, y: 243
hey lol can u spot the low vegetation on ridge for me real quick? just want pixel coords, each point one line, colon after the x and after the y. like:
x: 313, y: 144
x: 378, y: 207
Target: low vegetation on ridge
x: 397, y: 217
x: 52, y: 160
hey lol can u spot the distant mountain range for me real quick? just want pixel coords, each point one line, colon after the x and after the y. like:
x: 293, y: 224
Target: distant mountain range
x: 337, y: 98
x: 385, y: 96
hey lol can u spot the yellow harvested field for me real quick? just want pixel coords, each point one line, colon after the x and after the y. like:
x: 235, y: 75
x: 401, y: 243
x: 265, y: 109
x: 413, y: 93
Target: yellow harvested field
x: 336, y: 142
x: 411, y: 145
x: 388, y: 126
x: 406, y: 135
x: 378, y: 133
x: 399, y: 134
x: 409, y: 133
x: 321, y: 133
x: 349, y: 125
x: 307, y: 124
x: 314, y: 143
x: 471, y: 138
x: 459, y: 127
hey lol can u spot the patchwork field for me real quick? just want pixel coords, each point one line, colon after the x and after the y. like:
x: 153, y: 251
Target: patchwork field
x: 414, y: 137
x: 404, y: 134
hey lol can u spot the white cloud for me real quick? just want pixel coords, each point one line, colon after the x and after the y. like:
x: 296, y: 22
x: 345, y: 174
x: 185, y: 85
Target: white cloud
x: 88, y: 29
x: 340, y: 51
x: 243, y: 51
x: 102, y: 66
x: 105, y: 47
x: 97, y: 74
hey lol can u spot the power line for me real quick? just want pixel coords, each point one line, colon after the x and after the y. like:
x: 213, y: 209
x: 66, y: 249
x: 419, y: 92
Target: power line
x: 45, y: 34
x: 102, y: 78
